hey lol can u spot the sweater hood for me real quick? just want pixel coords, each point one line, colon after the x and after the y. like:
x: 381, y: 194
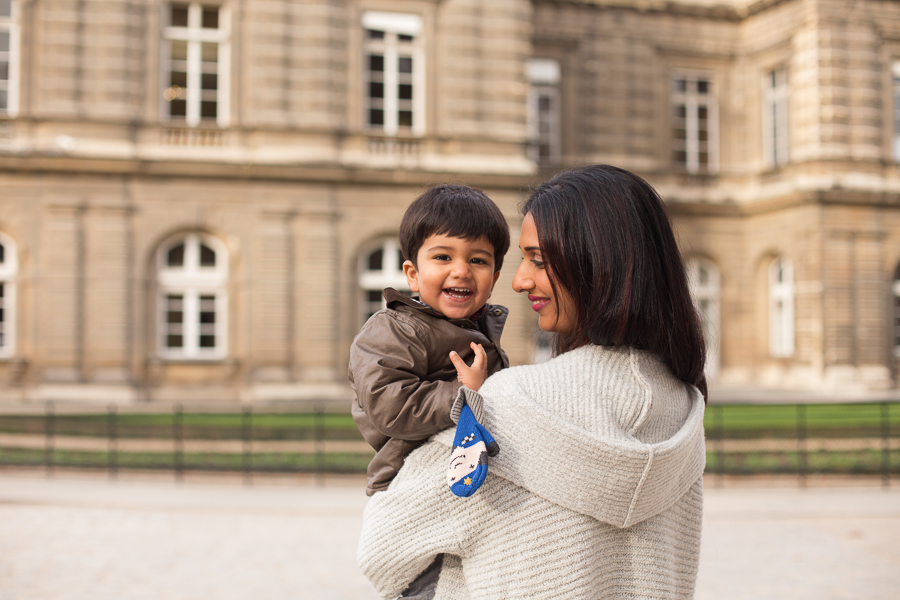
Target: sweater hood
x: 606, y: 432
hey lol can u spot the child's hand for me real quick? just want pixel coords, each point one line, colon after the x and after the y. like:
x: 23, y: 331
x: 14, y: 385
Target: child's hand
x: 471, y: 377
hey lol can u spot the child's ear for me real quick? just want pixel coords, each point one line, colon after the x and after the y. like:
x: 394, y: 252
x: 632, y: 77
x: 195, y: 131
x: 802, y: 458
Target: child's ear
x: 494, y: 282
x: 412, y: 276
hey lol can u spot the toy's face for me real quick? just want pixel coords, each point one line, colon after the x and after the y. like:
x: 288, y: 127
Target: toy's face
x: 464, y: 461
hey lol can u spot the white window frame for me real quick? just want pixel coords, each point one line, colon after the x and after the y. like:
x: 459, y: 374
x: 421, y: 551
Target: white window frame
x: 194, y: 34
x: 10, y: 24
x: 775, y: 117
x: 9, y: 270
x: 895, y: 92
x: 191, y: 282
x: 895, y: 326
x: 693, y: 101
x: 781, y: 307
x: 390, y: 275
x: 394, y: 25
x: 707, y: 296
x: 544, y: 126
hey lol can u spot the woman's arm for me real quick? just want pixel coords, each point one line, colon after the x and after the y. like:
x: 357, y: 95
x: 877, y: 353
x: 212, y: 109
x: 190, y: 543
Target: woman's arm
x: 406, y: 526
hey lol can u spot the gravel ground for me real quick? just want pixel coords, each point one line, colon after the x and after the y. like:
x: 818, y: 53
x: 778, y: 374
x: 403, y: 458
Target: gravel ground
x: 82, y: 536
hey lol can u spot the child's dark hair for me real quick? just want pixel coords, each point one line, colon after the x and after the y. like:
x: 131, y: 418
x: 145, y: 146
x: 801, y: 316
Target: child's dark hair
x: 454, y: 210
x: 606, y: 238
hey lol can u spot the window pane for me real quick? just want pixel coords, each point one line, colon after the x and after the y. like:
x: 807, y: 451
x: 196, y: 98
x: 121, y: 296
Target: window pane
x: 3, y: 104
x: 4, y: 41
x: 5, y: 8
x: 376, y: 89
x: 376, y: 116
x: 399, y: 260
x: 2, y: 254
x: 209, y: 81
x: 175, y: 257
x: 375, y: 34
x: 179, y: 15
x: 376, y: 260
x: 2, y: 290
x: 4, y: 70
x: 178, y: 108
x: 210, y: 17
x: 404, y: 118
x: 209, y: 52
x: 404, y: 64
x: 207, y: 256
x: 179, y: 50
x: 405, y: 91
x: 208, y: 110
x: 373, y: 296
x: 702, y: 87
x: 405, y: 38
x: 179, y: 79
x: 207, y: 341
x: 679, y: 85
x: 376, y: 62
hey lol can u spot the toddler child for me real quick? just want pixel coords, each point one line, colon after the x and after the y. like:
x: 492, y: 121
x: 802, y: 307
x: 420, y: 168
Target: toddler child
x: 453, y: 239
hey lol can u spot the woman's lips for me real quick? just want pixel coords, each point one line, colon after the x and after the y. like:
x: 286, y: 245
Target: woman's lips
x: 538, y: 302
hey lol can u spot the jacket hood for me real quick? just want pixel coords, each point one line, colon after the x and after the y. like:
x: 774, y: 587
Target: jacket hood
x: 606, y: 432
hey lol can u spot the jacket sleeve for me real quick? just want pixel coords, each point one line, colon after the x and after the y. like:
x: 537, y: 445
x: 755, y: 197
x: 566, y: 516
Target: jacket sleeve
x: 389, y: 366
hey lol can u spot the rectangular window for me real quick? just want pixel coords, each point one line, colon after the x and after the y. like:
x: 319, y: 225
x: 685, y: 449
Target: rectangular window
x: 192, y: 327
x: 775, y: 117
x: 544, y: 111
x: 196, y: 60
x: 895, y: 78
x: 896, y: 292
x: 9, y: 57
x: 394, y: 73
x: 694, y: 123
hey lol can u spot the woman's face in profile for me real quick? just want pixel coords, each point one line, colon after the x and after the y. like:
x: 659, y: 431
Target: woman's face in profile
x: 556, y: 311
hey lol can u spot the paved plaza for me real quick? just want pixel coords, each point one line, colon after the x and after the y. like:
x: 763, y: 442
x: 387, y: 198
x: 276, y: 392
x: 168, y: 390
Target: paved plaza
x: 86, y: 537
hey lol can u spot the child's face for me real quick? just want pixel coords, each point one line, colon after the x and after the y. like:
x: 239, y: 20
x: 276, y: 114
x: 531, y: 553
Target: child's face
x: 454, y: 276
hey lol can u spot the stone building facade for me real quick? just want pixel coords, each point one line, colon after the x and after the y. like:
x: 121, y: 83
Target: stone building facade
x: 199, y: 200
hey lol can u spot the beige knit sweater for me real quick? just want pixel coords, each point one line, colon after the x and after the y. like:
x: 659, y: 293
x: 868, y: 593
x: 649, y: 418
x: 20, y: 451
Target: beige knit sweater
x: 597, y: 491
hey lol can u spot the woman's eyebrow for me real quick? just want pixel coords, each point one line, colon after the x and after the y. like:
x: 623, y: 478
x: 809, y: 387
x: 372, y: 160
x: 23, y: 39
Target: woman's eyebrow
x: 532, y: 248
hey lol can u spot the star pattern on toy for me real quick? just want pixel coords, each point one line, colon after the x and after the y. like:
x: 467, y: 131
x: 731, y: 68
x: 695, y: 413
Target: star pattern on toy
x: 467, y: 481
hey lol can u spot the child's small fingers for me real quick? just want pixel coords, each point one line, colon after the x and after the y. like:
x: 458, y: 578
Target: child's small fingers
x: 456, y: 360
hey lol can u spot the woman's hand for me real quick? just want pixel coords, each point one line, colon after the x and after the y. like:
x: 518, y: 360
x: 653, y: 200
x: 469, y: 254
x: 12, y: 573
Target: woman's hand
x: 471, y: 377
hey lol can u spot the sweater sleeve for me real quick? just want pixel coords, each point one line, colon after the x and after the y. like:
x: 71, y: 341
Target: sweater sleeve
x: 406, y: 526
x: 388, y: 370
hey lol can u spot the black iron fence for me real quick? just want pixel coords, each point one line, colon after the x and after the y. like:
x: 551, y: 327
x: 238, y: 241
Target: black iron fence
x: 742, y: 439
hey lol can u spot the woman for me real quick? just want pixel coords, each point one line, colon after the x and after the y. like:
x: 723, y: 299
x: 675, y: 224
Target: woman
x: 597, y: 491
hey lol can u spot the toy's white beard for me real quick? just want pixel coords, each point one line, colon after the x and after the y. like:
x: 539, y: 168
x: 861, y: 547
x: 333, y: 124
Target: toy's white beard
x: 465, y: 460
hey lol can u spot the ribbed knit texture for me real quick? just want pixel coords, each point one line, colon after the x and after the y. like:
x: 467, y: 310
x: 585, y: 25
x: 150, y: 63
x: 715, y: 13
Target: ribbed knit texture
x: 597, y: 492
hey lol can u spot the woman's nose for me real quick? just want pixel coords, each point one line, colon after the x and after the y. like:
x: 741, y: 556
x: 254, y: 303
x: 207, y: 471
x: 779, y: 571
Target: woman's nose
x: 522, y: 280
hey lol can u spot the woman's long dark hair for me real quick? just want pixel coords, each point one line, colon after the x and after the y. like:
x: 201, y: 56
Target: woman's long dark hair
x: 607, y: 239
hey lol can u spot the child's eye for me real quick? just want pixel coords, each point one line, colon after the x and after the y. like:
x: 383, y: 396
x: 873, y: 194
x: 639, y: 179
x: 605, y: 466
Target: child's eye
x: 479, y: 261
x: 441, y: 257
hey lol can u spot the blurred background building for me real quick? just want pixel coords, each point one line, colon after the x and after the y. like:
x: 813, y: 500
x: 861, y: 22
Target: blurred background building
x: 200, y: 200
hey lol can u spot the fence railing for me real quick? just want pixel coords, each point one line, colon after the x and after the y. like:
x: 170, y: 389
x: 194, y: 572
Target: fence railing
x: 742, y: 439
x: 859, y: 438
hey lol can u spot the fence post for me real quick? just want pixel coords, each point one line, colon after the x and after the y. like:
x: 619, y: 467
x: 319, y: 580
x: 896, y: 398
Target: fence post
x: 803, y: 462
x: 178, y: 442
x: 246, y: 435
x: 885, y: 445
x: 48, y: 431
x: 319, y: 434
x: 112, y: 424
x: 720, y: 442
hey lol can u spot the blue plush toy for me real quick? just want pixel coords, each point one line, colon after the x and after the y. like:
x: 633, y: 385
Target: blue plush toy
x: 472, y: 445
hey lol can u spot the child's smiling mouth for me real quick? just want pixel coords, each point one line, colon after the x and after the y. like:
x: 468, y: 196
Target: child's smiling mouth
x: 457, y: 294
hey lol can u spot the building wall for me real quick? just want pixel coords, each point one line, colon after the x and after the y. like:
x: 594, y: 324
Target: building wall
x: 93, y: 181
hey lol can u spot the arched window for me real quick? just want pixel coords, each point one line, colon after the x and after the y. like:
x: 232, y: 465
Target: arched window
x: 380, y: 266
x: 704, y: 281
x: 192, y: 300
x: 9, y: 268
x: 895, y: 289
x: 781, y: 307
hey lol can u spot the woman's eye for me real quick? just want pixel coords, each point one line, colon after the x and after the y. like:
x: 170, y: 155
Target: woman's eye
x: 537, y: 263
